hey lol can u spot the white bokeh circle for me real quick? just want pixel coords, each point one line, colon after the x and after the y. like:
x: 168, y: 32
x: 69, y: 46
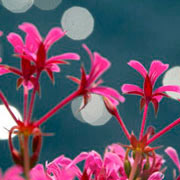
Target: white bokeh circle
x: 172, y: 77
x: 78, y: 22
x: 94, y: 113
x: 75, y: 106
x: 47, y: 4
x: 6, y: 121
x: 17, y: 6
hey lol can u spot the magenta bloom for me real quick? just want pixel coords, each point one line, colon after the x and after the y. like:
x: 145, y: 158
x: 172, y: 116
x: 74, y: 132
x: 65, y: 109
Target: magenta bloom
x: 90, y: 83
x: 35, y: 48
x: 13, y: 173
x: 147, y: 93
x: 172, y: 153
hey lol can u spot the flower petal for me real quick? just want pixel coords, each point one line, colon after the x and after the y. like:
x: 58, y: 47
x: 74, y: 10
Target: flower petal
x: 172, y: 153
x: 102, y: 93
x: 16, y: 42
x: 65, y: 56
x: 138, y: 67
x: 173, y: 88
x: 110, y: 92
x: 99, y: 66
x: 156, y: 69
x: 132, y: 89
x: 54, y: 35
x: 32, y: 31
x: 156, y: 176
x: 89, y: 53
x: 1, y: 33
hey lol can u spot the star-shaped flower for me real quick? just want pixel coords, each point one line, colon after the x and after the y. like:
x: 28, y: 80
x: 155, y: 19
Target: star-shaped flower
x: 147, y: 93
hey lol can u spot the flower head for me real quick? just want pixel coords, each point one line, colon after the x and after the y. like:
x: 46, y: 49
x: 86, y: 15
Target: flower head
x: 147, y: 93
x: 35, y: 48
x: 90, y: 83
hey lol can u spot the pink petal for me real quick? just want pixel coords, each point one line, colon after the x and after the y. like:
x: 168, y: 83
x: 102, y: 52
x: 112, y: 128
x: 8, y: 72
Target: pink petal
x: 53, y: 35
x: 16, y: 42
x: 89, y: 53
x: 14, y: 172
x: 38, y: 173
x: 99, y: 66
x: 171, y: 152
x: 65, y: 56
x: 112, y: 99
x: 32, y: 31
x: 172, y: 88
x: 110, y: 92
x: 3, y: 71
x: 156, y: 176
x: 138, y: 67
x: 31, y: 46
x: 128, y: 88
x: 53, y: 67
x: 1, y: 33
x: 28, y: 84
x: 0, y: 60
x: 156, y: 69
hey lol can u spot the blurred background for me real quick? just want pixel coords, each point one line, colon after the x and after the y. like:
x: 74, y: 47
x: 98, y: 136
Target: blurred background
x: 120, y: 31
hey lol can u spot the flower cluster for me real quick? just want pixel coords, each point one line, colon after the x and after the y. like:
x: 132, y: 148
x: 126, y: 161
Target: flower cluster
x: 135, y: 161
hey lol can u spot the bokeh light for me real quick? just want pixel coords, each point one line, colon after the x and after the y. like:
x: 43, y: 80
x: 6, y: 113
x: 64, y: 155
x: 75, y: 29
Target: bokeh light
x: 78, y: 22
x: 172, y: 77
x: 7, y: 122
x: 47, y: 4
x: 94, y: 113
x: 17, y: 6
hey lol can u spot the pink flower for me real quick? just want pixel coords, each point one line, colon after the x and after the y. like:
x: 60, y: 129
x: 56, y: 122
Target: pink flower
x: 35, y: 48
x: 13, y: 173
x: 147, y: 93
x: 38, y: 173
x: 172, y: 153
x: 26, y: 73
x: 90, y: 83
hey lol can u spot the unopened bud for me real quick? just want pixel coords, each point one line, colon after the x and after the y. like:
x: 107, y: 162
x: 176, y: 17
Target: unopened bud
x: 127, y: 167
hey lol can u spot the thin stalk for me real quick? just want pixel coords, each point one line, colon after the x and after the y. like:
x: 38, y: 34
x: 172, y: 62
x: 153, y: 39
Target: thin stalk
x: 25, y: 104
x: 33, y: 99
x: 143, y: 121
x: 2, y: 97
x: 26, y: 158
x: 163, y: 131
x: 123, y: 126
x: 135, y: 165
x: 57, y: 107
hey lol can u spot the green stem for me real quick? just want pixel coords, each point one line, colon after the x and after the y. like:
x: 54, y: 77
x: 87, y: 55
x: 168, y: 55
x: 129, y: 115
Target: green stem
x: 26, y: 158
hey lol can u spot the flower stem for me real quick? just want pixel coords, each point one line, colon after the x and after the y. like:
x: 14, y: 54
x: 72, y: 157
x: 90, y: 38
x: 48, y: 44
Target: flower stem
x: 25, y: 104
x: 26, y: 158
x: 135, y: 165
x: 143, y: 121
x: 33, y: 99
x: 2, y: 97
x: 57, y: 107
x: 163, y: 131
x: 123, y: 126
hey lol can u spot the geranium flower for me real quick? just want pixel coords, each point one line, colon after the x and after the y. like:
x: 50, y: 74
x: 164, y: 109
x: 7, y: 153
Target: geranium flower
x: 172, y: 153
x: 90, y: 83
x: 35, y: 48
x: 13, y: 173
x: 147, y: 93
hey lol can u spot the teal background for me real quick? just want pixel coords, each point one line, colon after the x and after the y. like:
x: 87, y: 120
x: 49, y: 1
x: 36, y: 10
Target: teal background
x: 124, y: 30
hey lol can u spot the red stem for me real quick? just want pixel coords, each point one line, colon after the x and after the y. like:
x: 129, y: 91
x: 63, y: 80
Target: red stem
x: 2, y: 97
x: 25, y: 104
x: 123, y: 126
x: 143, y: 121
x: 163, y: 131
x: 33, y: 99
x: 57, y: 107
